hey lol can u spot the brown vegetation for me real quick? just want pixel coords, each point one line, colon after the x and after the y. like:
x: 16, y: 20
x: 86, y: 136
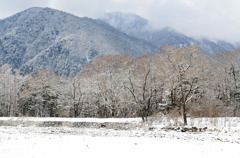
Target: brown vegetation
x: 179, y: 81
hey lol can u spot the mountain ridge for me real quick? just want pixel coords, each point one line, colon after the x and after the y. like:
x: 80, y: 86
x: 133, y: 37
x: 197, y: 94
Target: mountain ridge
x: 47, y: 38
x: 162, y: 37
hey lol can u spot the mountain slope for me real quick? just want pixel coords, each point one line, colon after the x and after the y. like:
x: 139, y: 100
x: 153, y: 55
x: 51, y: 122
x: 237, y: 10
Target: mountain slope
x: 168, y: 36
x: 46, y: 38
x: 139, y: 27
x: 215, y: 46
x: 131, y: 24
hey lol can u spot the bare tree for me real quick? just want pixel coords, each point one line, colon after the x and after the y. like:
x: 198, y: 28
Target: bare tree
x: 143, y: 87
x: 10, y: 82
x: 106, y: 76
x: 76, y: 95
x: 186, y: 74
x: 39, y: 95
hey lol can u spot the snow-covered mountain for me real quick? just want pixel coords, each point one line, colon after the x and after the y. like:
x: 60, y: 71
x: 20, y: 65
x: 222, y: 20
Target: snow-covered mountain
x: 130, y: 24
x: 46, y: 38
x: 139, y: 27
x: 237, y: 45
x: 168, y: 36
x: 215, y: 46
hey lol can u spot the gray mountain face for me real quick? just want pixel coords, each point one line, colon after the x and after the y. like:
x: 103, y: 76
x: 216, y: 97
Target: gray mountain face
x: 131, y: 24
x: 139, y: 27
x: 168, y: 36
x: 46, y: 38
x: 237, y: 45
x: 215, y: 46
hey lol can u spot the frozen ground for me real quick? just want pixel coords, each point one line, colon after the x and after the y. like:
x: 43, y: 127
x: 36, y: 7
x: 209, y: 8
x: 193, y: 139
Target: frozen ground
x: 143, y: 141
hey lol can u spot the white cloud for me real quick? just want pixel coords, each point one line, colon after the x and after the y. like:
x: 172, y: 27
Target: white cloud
x: 215, y: 19
x: 211, y: 18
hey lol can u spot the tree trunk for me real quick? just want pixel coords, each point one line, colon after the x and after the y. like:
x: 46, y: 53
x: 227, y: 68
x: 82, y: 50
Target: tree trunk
x: 184, y: 114
x: 75, y: 110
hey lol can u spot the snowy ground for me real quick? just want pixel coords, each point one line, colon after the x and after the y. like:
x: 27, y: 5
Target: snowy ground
x: 62, y: 142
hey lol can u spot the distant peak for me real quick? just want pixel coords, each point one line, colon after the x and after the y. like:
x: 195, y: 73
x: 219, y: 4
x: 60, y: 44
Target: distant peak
x: 214, y: 41
x: 34, y: 9
x: 40, y: 9
x: 45, y: 12
x: 126, y: 22
x: 123, y: 16
x: 169, y: 29
x: 117, y: 13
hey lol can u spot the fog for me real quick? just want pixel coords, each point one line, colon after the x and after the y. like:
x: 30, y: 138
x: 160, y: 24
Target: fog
x: 215, y: 19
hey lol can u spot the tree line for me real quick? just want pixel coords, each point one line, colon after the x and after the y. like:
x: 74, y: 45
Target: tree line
x: 177, y: 82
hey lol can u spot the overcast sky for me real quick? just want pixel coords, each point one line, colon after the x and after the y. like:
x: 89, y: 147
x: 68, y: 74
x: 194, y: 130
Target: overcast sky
x: 216, y: 19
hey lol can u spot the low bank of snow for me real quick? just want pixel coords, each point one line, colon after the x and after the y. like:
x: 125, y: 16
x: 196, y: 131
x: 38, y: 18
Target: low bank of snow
x: 222, y: 123
x: 218, y: 123
x: 60, y: 119
x: 62, y: 142
x: 228, y: 124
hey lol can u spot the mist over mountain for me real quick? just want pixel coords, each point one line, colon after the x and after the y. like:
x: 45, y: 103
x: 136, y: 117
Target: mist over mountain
x: 215, y: 46
x: 237, y: 45
x: 131, y: 24
x: 46, y: 38
x: 139, y: 27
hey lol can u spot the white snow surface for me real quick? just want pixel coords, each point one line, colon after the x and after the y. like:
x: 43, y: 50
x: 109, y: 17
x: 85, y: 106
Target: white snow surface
x: 60, y: 119
x: 221, y: 124
x: 62, y: 142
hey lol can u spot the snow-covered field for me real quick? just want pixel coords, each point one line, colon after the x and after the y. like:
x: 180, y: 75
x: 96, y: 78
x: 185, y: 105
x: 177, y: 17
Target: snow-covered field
x: 143, y: 141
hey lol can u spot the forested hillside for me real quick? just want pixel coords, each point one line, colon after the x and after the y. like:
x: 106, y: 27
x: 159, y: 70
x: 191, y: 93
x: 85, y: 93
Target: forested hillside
x: 45, y: 38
